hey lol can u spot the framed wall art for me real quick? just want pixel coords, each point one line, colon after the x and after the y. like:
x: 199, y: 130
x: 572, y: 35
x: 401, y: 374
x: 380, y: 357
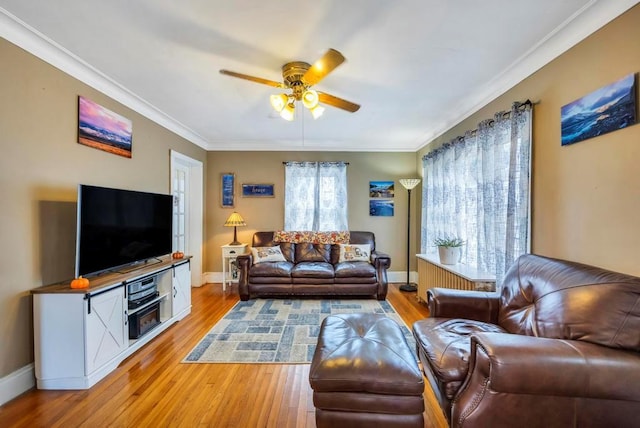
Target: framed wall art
x: 257, y: 191
x: 227, y: 189
x: 100, y: 128
x: 381, y: 207
x: 381, y: 189
x: 607, y: 109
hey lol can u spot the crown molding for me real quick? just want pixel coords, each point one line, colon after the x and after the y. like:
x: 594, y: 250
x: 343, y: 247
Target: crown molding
x: 590, y: 18
x: 31, y: 40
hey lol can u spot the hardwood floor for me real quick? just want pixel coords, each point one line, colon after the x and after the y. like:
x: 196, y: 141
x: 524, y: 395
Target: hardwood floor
x: 152, y: 387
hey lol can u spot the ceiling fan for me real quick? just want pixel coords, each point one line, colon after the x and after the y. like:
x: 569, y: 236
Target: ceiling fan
x: 299, y: 77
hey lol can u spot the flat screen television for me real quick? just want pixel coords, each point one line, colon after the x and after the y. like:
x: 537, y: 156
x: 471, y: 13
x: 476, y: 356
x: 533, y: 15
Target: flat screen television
x: 117, y: 228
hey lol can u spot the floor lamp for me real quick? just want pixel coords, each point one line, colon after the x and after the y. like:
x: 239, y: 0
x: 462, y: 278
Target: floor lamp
x: 409, y: 183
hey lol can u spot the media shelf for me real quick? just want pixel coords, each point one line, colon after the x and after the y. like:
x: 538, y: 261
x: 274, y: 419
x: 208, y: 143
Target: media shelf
x: 149, y: 303
x: 81, y: 335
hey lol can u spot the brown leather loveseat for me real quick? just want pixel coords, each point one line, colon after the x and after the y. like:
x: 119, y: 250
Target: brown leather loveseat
x: 314, y: 269
x: 558, y: 346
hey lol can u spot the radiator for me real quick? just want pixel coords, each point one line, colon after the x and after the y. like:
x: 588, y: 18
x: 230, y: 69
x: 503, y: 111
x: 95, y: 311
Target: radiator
x: 432, y: 274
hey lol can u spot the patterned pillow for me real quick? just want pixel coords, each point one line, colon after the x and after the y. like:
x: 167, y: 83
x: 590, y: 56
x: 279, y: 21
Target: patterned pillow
x: 267, y: 254
x: 297, y: 237
x: 354, y: 253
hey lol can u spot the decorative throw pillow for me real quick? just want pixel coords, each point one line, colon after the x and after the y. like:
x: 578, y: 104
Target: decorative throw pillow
x: 267, y: 254
x: 355, y: 253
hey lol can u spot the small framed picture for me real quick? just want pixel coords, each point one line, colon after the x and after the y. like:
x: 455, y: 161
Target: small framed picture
x: 227, y: 189
x: 381, y: 207
x: 257, y: 191
x: 381, y: 189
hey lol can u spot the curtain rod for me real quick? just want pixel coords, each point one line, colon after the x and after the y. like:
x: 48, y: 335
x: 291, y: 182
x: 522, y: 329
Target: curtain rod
x: 504, y: 115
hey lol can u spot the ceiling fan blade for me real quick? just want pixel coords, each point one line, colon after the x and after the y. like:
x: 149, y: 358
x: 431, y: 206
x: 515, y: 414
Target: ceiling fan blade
x: 337, y: 102
x: 325, y: 65
x: 253, y: 78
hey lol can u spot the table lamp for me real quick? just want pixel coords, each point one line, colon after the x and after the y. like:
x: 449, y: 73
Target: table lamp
x: 235, y: 220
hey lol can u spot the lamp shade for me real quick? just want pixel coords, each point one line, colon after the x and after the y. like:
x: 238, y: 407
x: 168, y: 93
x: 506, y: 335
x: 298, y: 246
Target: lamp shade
x: 310, y: 98
x: 288, y: 112
x: 278, y: 102
x: 235, y: 219
x: 409, y: 183
x: 317, y: 111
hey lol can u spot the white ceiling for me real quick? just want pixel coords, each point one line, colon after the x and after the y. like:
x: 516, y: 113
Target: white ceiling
x: 417, y: 67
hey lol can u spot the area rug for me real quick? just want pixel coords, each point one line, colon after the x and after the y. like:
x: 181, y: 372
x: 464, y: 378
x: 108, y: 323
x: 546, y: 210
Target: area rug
x: 278, y: 330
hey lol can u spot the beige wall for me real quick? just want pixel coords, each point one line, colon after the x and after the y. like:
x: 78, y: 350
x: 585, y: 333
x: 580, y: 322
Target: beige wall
x: 586, y: 196
x: 263, y: 214
x: 40, y: 168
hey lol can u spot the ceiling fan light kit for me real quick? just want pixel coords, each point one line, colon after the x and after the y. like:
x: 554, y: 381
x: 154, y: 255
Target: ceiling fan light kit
x: 299, y: 76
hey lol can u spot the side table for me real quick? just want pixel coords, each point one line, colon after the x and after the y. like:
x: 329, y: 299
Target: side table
x: 229, y: 265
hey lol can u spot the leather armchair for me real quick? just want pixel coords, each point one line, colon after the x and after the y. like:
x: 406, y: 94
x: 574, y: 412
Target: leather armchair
x: 558, y: 346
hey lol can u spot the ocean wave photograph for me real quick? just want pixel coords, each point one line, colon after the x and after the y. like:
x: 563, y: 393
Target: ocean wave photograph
x: 607, y: 109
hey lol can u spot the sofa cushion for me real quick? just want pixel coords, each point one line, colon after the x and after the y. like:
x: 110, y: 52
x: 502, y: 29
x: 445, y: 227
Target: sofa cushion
x: 271, y: 269
x: 446, y: 343
x: 354, y: 253
x: 307, y: 252
x: 559, y: 299
x: 315, y: 270
x: 267, y: 254
x: 354, y: 269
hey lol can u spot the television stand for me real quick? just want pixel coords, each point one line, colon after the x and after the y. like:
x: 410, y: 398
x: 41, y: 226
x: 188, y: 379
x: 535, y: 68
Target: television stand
x: 82, y: 335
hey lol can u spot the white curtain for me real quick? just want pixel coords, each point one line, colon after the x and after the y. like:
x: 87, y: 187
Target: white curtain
x: 315, y: 196
x: 478, y: 188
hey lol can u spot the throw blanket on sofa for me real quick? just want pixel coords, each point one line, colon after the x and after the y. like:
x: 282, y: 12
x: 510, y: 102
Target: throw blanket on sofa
x: 297, y: 237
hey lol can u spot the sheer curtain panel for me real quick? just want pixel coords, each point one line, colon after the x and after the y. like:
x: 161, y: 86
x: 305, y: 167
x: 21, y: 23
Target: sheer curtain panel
x: 478, y: 188
x: 315, y: 196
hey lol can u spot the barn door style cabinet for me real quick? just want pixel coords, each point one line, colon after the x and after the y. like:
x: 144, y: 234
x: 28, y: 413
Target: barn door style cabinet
x: 81, y: 335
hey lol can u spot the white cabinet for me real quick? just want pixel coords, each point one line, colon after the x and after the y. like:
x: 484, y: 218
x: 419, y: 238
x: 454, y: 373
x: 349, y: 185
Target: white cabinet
x: 75, y: 335
x: 106, y: 330
x: 80, y: 336
x: 181, y: 293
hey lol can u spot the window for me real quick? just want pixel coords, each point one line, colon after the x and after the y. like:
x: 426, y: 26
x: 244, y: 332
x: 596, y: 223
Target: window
x: 477, y: 187
x: 315, y: 196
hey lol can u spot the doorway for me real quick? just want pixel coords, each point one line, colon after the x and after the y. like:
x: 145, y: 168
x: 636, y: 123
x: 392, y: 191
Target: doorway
x: 187, y: 188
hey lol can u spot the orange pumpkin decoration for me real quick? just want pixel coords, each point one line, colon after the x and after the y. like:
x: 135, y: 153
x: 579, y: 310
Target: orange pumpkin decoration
x: 177, y: 255
x: 80, y: 282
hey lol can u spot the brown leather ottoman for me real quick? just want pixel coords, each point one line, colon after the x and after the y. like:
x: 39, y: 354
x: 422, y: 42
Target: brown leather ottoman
x: 364, y: 374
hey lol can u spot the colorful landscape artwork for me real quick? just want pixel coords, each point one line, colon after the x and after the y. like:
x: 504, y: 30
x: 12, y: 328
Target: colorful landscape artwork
x: 103, y: 129
x: 381, y: 189
x: 607, y: 109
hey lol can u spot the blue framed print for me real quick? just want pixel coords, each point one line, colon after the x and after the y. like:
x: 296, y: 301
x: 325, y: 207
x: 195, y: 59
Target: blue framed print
x: 257, y: 191
x: 604, y: 110
x: 227, y: 192
x: 381, y: 207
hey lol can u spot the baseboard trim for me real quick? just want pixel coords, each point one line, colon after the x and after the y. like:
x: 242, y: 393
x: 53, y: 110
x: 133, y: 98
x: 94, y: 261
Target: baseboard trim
x: 17, y: 383
x: 399, y: 276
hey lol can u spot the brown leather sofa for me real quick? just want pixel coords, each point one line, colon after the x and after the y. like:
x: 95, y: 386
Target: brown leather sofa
x: 313, y: 270
x: 559, y: 346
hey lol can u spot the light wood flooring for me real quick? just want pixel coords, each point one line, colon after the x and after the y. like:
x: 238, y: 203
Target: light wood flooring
x: 153, y: 389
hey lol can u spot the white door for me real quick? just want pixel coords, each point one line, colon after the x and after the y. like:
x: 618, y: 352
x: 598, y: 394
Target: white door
x: 187, y: 189
x: 180, y: 191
